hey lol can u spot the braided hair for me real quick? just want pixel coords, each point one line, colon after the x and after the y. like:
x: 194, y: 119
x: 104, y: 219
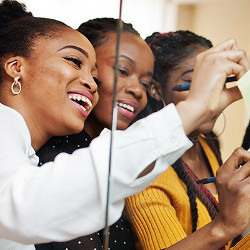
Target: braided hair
x: 19, y: 30
x: 98, y: 29
x: 170, y: 50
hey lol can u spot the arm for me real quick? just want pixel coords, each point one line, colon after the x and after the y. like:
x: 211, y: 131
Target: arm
x: 153, y: 212
x: 65, y: 199
x: 72, y: 189
x: 234, y: 213
x: 155, y: 219
x: 208, y: 84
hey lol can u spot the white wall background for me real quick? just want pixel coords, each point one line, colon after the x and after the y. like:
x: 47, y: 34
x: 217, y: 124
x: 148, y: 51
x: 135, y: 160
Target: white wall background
x: 147, y: 16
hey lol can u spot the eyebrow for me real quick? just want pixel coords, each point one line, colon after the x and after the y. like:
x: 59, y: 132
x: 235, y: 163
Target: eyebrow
x: 187, y: 71
x: 133, y: 62
x: 85, y: 53
x: 128, y: 58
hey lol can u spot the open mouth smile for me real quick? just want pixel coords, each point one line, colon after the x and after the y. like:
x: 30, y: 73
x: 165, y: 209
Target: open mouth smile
x: 81, y: 100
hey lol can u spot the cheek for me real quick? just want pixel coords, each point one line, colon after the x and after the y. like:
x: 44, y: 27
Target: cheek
x: 180, y: 96
x: 175, y: 97
x: 95, y: 99
x: 105, y: 92
x: 144, y: 101
x: 56, y: 77
x: 106, y: 88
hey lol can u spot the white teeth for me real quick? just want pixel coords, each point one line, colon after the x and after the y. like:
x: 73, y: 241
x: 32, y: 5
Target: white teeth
x: 126, y: 106
x: 83, y: 108
x: 85, y: 99
x: 81, y: 98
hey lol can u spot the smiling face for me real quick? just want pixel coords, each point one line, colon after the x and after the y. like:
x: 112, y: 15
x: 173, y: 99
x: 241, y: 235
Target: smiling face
x: 58, y: 85
x: 135, y: 69
x: 183, y: 74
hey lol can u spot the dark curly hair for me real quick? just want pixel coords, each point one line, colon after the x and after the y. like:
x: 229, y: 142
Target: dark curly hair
x: 97, y: 30
x: 19, y: 30
x: 171, y: 49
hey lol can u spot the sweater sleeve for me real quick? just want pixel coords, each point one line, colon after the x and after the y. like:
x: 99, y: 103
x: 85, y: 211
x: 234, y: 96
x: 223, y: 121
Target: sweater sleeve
x: 243, y: 244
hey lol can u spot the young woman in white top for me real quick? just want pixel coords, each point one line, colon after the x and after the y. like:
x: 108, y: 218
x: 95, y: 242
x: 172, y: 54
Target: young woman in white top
x: 44, y: 67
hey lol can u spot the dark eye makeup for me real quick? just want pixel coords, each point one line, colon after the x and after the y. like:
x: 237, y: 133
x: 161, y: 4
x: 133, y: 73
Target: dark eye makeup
x: 185, y: 80
x: 74, y: 60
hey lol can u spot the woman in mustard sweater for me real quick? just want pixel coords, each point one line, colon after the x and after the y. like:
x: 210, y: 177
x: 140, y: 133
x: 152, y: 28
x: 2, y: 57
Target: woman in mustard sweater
x: 175, y: 206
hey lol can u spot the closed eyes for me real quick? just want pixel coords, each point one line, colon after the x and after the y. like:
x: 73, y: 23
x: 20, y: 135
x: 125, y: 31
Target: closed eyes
x: 74, y: 60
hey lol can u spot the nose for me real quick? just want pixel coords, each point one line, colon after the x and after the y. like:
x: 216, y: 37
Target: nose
x: 90, y: 85
x: 135, y: 89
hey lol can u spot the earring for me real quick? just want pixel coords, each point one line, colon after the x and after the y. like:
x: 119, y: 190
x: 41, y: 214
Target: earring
x: 220, y: 133
x: 16, y: 82
x: 164, y: 104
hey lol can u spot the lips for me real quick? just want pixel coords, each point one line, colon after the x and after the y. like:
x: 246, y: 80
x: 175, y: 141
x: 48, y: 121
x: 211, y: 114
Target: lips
x: 81, y: 100
x: 127, y: 108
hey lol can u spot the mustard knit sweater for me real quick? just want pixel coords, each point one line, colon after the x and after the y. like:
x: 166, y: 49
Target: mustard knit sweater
x: 161, y: 213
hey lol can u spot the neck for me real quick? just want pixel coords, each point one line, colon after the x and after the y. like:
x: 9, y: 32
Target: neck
x: 38, y: 137
x: 194, y: 158
x: 37, y: 133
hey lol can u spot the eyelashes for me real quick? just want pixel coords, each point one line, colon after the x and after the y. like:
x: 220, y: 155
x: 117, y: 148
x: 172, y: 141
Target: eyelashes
x: 145, y: 85
x: 123, y: 72
x: 74, y: 60
x: 78, y: 63
x: 189, y: 81
x: 98, y: 82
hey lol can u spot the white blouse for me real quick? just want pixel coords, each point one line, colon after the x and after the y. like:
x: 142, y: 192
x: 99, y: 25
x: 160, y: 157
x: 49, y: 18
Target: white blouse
x: 66, y: 198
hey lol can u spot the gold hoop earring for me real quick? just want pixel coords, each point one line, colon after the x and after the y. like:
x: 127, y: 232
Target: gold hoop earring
x: 219, y: 134
x: 16, y: 82
x: 162, y: 100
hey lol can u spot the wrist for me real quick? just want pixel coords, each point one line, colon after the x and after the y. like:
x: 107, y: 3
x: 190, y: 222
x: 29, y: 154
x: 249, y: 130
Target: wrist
x: 192, y: 114
x: 220, y: 232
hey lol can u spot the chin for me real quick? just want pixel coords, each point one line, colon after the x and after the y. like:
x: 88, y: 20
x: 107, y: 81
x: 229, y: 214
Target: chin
x: 76, y: 129
x: 121, y: 125
x: 206, y: 128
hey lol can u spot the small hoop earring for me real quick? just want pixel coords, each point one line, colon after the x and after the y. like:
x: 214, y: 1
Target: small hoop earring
x: 164, y: 104
x: 16, y: 82
x: 219, y: 134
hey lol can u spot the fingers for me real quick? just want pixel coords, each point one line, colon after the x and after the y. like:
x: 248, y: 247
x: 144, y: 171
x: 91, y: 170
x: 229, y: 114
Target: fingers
x: 211, y: 68
x: 238, y: 157
x: 244, y: 171
x: 240, y: 58
x: 229, y: 44
x: 222, y: 59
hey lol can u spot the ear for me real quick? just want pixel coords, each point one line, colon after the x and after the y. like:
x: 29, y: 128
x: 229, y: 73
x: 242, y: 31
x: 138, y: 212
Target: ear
x: 13, y: 66
x: 155, y: 90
